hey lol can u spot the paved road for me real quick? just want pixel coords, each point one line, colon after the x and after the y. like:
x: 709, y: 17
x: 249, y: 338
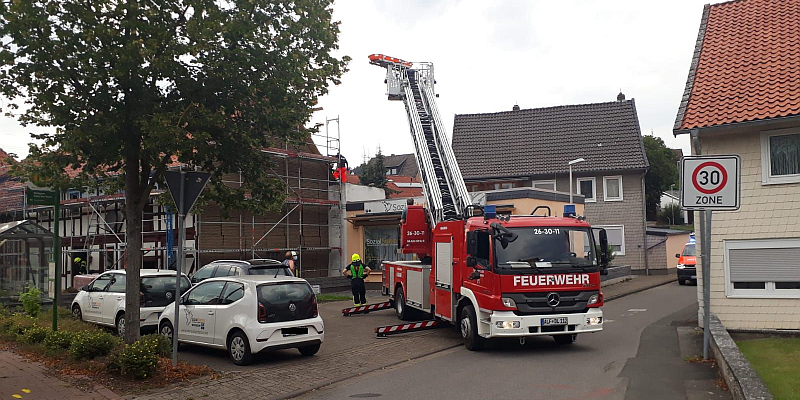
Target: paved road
x: 639, y: 355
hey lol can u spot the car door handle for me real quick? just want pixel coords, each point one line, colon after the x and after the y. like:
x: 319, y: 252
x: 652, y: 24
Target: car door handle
x: 210, y: 313
x: 100, y: 297
x: 119, y: 298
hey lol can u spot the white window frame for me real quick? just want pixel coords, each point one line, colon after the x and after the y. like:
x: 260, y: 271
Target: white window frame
x: 621, y: 252
x: 544, y: 182
x: 594, y: 189
x: 769, y: 291
x: 507, y: 185
x: 605, y: 188
x: 766, y: 163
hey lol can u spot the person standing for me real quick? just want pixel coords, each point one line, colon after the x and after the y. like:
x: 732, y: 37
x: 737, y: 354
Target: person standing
x: 357, y: 271
x: 290, y: 260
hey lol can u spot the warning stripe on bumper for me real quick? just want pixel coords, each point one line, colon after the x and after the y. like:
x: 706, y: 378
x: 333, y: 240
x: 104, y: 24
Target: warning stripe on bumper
x: 370, y: 307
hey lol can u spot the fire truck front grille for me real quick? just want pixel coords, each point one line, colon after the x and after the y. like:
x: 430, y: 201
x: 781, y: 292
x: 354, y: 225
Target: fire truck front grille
x: 534, y: 303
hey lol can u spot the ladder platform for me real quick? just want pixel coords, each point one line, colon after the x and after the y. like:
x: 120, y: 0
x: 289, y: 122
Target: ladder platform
x: 383, y: 331
x: 346, y: 312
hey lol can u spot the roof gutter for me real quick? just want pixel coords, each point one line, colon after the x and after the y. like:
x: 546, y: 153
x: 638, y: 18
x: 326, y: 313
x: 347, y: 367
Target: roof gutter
x: 754, y: 123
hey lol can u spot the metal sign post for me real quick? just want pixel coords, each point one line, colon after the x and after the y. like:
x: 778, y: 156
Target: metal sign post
x: 709, y: 183
x: 185, y: 188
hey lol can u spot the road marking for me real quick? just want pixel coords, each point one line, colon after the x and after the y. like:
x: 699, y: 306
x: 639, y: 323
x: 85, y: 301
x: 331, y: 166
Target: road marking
x: 16, y: 396
x: 637, y: 310
x: 608, y: 320
x: 26, y: 390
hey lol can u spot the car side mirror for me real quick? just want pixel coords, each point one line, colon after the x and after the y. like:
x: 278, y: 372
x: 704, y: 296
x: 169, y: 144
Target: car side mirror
x: 472, y: 262
x: 85, y: 288
x: 678, y: 255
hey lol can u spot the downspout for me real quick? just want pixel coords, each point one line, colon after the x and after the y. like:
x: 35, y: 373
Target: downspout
x: 644, y: 231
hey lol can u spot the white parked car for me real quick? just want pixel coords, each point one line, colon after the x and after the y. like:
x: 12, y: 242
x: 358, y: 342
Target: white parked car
x: 248, y: 314
x: 103, y: 301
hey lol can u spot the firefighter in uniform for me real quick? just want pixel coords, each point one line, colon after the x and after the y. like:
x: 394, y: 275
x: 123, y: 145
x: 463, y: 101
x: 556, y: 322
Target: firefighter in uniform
x: 78, y: 266
x: 357, y: 271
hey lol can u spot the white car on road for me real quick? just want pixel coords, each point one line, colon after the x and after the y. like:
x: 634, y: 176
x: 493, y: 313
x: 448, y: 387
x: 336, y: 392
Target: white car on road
x: 103, y: 301
x: 248, y: 314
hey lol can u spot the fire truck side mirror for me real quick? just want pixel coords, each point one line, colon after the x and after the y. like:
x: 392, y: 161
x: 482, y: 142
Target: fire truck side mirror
x: 472, y: 262
x: 604, y: 256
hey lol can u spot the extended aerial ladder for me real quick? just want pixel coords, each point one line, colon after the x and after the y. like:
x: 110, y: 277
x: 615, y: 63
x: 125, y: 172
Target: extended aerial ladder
x: 413, y: 83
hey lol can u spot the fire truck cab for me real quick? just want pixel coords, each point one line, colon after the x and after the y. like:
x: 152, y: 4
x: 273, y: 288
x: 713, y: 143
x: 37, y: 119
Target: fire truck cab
x: 493, y: 276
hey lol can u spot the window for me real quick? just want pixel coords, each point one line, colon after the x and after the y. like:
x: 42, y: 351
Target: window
x: 616, y: 238
x: 780, y: 156
x: 203, y: 273
x: 101, y: 283
x: 547, y: 185
x: 762, y: 268
x: 509, y: 185
x: 158, y: 291
x: 205, y: 294
x: 225, y: 270
x: 391, y: 171
x: 232, y: 292
x: 612, y: 188
x: 117, y: 284
x: 587, y: 188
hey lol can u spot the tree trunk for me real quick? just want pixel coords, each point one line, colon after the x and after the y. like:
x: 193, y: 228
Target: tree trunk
x: 133, y: 260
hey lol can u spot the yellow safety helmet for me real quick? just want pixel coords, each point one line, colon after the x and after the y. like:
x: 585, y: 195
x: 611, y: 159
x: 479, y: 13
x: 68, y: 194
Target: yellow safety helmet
x: 77, y: 260
x: 356, y: 257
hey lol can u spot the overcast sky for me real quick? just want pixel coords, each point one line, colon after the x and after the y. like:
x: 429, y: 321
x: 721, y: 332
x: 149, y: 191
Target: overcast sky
x: 490, y: 55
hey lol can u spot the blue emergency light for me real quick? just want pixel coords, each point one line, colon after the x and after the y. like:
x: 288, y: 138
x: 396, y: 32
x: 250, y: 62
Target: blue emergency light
x: 569, y: 210
x: 489, y: 211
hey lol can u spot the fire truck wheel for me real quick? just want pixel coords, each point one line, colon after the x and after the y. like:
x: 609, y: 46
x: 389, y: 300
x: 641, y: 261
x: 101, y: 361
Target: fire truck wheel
x: 565, y: 339
x: 468, y: 325
x: 403, y: 312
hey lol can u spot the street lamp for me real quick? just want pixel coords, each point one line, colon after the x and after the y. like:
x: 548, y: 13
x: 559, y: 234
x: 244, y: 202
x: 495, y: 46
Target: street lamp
x: 571, y: 163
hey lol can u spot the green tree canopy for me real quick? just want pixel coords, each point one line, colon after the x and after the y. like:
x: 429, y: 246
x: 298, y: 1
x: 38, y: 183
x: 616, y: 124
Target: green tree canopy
x: 131, y: 87
x: 662, y: 174
x: 373, y: 173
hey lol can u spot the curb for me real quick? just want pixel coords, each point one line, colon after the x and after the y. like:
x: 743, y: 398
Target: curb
x: 740, y: 376
x: 642, y: 289
x: 301, y: 392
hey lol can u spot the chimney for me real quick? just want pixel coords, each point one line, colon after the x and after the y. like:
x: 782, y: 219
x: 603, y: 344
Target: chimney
x: 620, y: 96
x: 515, y: 108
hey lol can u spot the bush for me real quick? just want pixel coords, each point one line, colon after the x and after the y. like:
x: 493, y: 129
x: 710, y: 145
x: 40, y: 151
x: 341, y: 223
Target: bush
x: 138, y: 359
x: 58, y: 340
x: 91, y: 344
x: 31, y: 301
x: 162, y: 344
x: 671, y: 214
x: 15, y: 325
x: 35, y: 334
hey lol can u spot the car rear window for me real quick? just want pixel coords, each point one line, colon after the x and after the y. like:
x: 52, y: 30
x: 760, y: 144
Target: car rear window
x: 158, y: 291
x: 279, y: 298
x: 688, y: 250
x: 270, y: 270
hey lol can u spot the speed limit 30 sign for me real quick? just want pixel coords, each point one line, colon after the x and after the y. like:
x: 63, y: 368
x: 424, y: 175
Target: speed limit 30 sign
x: 710, y: 183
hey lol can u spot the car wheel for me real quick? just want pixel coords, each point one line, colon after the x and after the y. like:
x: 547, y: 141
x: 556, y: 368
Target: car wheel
x: 468, y: 325
x: 309, y: 350
x: 166, y: 330
x: 120, y: 324
x: 400, y: 306
x: 239, y: 349
x: 681, y: 282
x: 565, y: 339
x: 76, y: 312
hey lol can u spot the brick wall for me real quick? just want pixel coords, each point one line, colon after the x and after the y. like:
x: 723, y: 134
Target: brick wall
x: 767, y: 211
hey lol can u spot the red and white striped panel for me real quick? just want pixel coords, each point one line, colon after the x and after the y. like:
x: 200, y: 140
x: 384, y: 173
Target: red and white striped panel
x: 383, y: 330
x: 370, y: 307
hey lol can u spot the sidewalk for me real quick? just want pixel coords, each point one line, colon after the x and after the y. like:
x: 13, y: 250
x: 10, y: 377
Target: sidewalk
x: 21, y: 379
x: 636, y: 284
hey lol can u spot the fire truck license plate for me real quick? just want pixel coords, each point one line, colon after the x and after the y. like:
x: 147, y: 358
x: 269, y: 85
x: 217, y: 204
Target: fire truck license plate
x: 554, y: 321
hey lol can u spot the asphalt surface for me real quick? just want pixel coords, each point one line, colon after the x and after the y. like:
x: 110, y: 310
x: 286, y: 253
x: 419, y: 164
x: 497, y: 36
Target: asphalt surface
x: 640, y: 354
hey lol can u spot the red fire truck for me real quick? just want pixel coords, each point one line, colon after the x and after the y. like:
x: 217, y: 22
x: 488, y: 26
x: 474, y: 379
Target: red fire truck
x: 490, y: 275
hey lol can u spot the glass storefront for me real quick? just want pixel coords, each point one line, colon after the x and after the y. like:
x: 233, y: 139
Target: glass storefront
x: 382, y: 243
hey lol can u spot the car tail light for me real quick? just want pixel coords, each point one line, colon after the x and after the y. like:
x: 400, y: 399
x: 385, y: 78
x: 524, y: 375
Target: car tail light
x: 314, y: 309
x: 262, y: 313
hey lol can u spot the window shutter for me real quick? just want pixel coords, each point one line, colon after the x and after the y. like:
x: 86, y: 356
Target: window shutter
x: 764, y: 264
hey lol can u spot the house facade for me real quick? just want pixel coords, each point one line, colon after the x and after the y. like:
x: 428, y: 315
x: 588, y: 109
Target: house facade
x: 742, y: 96
x: 532, y: 148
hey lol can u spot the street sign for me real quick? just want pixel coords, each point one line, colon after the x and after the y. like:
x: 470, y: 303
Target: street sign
x: 710, y: 182
x: 40, y: 197
x: 194, y: 182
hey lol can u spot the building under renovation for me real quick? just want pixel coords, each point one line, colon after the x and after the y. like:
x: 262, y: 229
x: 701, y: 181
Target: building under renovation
x: 93, y: 233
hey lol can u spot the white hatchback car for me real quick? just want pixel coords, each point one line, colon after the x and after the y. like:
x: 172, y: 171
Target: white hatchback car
x: 248, y: 314
x: 103, y: 301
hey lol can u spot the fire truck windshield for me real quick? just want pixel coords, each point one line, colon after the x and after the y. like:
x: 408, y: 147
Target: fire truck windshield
x: 541, y: 248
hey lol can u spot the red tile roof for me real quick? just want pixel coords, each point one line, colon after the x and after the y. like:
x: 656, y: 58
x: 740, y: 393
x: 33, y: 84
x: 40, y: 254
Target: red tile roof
x: 745, y: 66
